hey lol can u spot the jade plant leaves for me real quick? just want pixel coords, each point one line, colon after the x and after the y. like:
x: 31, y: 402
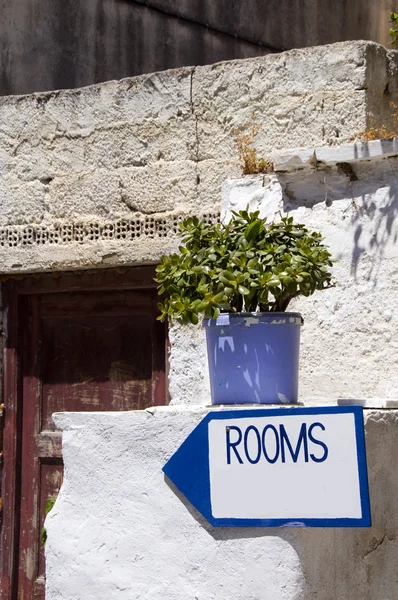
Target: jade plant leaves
x: 244, y: 265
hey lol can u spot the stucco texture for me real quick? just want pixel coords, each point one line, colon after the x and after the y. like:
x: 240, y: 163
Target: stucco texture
x: 119, y: 528
x: 349, y: 345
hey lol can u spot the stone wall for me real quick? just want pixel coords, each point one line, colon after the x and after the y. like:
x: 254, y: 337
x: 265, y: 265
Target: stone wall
x: 100, y: 176
x: 119, y: 528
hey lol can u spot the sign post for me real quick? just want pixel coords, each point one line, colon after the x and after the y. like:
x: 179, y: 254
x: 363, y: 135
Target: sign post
x: 297, y: 467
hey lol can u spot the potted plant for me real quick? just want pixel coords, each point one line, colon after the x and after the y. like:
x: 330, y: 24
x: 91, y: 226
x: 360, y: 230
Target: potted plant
x: 241, y: 276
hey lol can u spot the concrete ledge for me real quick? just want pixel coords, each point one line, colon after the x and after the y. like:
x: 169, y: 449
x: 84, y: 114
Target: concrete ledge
x: 301, y: 158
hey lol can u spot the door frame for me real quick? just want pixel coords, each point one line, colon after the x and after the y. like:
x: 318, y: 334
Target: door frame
x: 13, y: 292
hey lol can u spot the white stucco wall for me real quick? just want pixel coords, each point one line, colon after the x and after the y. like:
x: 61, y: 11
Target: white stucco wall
x: 349, y: 340
x: 119, y: 530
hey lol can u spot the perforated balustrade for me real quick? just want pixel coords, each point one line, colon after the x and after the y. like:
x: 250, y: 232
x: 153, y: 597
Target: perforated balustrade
x: 91, y: 231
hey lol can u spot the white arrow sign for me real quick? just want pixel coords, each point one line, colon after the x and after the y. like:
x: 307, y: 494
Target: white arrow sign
x: 270, y: 467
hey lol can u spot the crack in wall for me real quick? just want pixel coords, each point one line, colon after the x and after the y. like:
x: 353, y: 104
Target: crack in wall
x: 379, y: 543
x: 196, y: 146
x: 195, y: 116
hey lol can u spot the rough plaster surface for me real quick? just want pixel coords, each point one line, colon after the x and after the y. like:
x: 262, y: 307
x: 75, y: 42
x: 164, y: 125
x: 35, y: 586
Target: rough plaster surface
x: 161, y: 145
x: 348, y: 344
x: 349, y: 347
x: 120, y: 530
x: 188, y: 368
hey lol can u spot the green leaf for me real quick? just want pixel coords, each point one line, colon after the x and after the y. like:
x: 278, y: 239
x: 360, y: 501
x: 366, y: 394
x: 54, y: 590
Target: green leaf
x: 253, y: 262
x: 218, y: 297
x: 200, y: 308
x: 243, y: 290
x: 209, y: 311
x: 48, y: 506
x: 228, y: 275
x: 274, y: 282
x: 193, y: 317
x: 287, y: 280
x: 215, y: 313
x: 43, y: 536
x: 254, y: 229
x: 228, y: 291
x: 225, y: 280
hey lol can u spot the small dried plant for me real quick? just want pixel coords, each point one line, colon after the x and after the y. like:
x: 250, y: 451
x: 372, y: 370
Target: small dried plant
x: 382, y: 132
x: 247, y: 153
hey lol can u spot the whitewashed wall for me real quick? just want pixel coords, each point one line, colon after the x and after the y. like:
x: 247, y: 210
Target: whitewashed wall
x: 119, y: 530
x: 349, y: 343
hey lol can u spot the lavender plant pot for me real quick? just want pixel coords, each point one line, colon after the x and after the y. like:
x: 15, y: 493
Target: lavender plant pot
x: 253, y: 357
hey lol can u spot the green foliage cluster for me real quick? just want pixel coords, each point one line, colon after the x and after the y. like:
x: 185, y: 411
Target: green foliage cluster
x: 246, y: 265
x: 49, y: 506
x: 394, y: 29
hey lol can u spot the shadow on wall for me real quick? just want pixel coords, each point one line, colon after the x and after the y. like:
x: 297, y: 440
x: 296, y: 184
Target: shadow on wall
x: 364, y: 197
x: 380, y: 209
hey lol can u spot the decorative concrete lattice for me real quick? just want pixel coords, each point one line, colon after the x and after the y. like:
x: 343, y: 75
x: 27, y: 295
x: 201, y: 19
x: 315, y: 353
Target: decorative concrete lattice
x: 83, y: 233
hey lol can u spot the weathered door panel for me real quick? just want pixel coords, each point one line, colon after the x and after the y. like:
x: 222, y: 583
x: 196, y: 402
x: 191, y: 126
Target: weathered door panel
x: 81, y: 350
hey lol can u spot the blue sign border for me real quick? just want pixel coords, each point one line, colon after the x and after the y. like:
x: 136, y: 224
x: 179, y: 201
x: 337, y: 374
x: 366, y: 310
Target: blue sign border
x: 193, y: 477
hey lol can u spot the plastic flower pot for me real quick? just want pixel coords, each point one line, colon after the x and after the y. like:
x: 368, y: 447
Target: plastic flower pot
x: 254, y: 357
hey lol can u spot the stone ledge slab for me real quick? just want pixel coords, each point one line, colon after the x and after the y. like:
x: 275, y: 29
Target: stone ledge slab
x: 309, y: 158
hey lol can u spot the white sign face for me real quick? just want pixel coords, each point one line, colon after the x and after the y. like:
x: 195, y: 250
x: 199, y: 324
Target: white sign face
x: 282, y: 467
x: 271, y: 467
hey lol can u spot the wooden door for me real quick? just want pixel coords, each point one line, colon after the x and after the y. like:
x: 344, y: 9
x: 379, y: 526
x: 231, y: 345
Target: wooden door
x: 82, y: 343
